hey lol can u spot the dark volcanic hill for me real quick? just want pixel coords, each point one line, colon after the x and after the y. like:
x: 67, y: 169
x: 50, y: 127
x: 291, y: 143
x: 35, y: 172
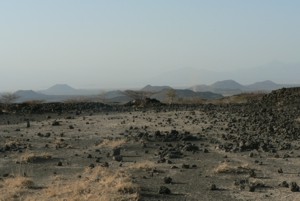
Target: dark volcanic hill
x: 185, y: 94
x: 264, y: 86
x: 231, y: 87
x: 60, y: 89
x: 150, y: 88
x: 27, y: 95
x: 66, y: 90
x: 227, y: 84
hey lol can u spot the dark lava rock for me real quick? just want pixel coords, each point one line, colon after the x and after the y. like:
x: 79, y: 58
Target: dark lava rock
x: 252, y: 173
x: 168, y: 180
x: 116, y: 151
x: 284, y: 184
x: 118, y: 158
x: 252, y: 188
x: 294, y: 187
x: 55, y: 123
x: 191, y: 147
x: 185, y: 166
x: 189, y: 138
x: 28, y: 124
x: 164, y: 190
x: 241, y: 183
x: 213, y: 187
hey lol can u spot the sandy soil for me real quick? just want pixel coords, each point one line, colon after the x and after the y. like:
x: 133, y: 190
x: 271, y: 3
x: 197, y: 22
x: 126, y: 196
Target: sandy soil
x: 134, y: 155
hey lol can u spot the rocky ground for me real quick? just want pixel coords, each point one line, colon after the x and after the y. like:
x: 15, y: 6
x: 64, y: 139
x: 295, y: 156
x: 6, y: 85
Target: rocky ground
x: 150, y: 151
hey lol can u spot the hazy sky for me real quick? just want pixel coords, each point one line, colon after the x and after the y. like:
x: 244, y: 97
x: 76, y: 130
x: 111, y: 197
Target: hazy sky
x: 100, y: 44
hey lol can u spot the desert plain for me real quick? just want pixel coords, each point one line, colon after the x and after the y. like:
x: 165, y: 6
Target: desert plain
x: 230, y: 150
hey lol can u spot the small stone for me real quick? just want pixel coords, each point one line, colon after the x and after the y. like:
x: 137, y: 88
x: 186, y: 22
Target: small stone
x: 213, y: 187
x: 59, y: 163
x: 118, y: 158
x: 185, y: 166
x: 116, y: 151
x: 28, y: 124
x: 284, y: 184
x: 252, y: 173
x: 55, y: 123
x: 252, y: 188
x: 168, y: 180
x: 294, y: 187
x: 164, y: 190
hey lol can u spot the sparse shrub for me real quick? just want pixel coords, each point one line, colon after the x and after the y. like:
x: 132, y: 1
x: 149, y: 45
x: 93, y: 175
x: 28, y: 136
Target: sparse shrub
x: 32, y: 157
x: 226, y: 168
x: 114, y: 143
x: 143, y: 165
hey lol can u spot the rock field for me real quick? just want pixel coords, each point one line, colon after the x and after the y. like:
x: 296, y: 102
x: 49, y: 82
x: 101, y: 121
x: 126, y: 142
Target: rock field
x: 151, y: 151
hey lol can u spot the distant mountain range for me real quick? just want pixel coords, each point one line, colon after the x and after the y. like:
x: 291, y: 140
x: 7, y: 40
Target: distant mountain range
x: 231, y: 87
x: 278, y: 72
x: 63, y: 92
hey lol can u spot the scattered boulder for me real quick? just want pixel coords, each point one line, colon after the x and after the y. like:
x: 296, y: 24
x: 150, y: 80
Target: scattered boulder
x: 168, y: 180
x: 294, y: 187
x: 164, y: 190
x: 284, y: 184
x: 213, y: 187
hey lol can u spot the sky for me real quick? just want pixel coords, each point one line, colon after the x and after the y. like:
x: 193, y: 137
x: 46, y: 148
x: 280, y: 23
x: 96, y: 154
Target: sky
x: 118, y: 43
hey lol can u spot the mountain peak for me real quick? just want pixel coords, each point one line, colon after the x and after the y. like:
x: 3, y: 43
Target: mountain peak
x: 61, y: 87
x: 227, y: 84
x: 150, y: 88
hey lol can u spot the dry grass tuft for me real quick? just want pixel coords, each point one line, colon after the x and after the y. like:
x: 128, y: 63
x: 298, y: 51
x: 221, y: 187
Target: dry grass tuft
x: 143, y: 165
x: 18, y: 182
x: 12, y: 144
x: 98, y: 183
x: 112, y: 143
x: 15, y: 188
x: 227, y: 168
x: 32, y: 157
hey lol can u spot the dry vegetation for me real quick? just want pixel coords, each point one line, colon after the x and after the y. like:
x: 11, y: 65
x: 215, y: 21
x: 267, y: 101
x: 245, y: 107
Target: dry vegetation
x: 227, y: 168
x: 99, y: 183
x: 143, y: 165
x: 33, y: 157
x: 15, y: 188
x: 112, y: 143
x: 95, y: 184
